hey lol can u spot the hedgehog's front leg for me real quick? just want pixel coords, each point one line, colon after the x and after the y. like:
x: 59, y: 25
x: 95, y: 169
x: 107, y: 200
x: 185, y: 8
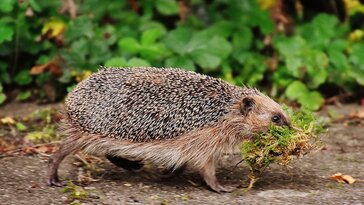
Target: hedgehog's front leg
x: 208, y: 172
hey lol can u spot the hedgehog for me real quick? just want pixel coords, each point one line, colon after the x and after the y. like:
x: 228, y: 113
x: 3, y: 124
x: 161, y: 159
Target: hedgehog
x: 165, y: 116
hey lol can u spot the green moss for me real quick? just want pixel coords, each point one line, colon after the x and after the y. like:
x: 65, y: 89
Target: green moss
x: 279, y: 144
x: 75, y: 192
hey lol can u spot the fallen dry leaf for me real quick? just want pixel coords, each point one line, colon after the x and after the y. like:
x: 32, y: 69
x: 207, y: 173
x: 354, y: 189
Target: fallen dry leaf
x: 357, y: 114
x: 7, y: 145
x: 339, y: 177
x: 42, y: 148
x: 51, y: 66
x: 7, y: 121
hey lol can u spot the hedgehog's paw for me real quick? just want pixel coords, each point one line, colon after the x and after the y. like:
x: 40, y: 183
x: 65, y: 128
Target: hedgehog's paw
x: 217, y: 187
x: 225, y: 189
x: 54, y: 181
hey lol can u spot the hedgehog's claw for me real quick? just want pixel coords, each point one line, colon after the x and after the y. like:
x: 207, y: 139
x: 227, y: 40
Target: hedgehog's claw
x: 217, y: 187
x: 225, y: 189
x: 54, y: 181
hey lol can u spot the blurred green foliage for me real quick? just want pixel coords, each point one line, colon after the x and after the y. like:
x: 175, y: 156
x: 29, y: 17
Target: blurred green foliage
x: 236, y: 40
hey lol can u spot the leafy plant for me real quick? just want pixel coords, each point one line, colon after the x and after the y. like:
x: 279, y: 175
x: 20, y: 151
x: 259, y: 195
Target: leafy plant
x: 236, y: 40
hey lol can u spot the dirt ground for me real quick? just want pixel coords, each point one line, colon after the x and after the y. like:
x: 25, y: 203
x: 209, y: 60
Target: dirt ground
x: 23, y: 178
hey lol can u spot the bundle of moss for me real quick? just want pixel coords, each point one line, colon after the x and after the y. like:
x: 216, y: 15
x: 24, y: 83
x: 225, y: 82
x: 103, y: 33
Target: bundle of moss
x: 280, y: 144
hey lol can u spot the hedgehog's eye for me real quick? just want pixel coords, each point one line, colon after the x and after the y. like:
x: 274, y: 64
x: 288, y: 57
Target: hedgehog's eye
x: 276, y: 119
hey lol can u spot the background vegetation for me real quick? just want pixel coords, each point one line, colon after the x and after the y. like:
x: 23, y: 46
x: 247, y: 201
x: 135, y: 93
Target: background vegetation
x: 304, y: 51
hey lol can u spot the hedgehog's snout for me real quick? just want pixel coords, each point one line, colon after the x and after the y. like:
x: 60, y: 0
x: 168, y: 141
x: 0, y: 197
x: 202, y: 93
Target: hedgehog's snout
x: 280, y: 120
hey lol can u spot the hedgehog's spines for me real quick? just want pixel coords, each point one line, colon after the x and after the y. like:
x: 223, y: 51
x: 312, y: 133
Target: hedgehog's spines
x: 101, y: 67
x: 143, y: 104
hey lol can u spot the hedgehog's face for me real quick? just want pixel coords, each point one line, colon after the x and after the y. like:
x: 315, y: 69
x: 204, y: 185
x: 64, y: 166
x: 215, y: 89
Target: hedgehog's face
x: 260, y: 111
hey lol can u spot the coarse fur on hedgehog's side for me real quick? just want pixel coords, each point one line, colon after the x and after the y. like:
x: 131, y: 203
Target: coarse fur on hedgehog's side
x: 170, y: 117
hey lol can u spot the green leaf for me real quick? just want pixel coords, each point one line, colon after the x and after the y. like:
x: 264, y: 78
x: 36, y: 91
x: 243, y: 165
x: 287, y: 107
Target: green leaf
x: 138, y: 62
x: 150, y: 36
x: 338, y: 45
x: 315, y: 63
x: 292, y: 50
x: 357, y: 55
x: 338, y: 59
x: 7, y: 5
x: 204, y: 48
x: 35, y: 6
x: 295, y: 90
x: 243, y: 39
x: 153, y: 52
x: 282, y: 77
x: 129, y: 45
x: 6, y: 32
x: 80, y: 48
x: 320, y: 31
x: 70, y: 88
x: 311, y: 100
x: 290, y: 46
x: 148, y: 25
x: 221, y: 28
x: 206, y: 60
x: 99, y: 52
x: 107, y: 34
x: 252, y: 69
x: 167, y: 7
x: 317, y: 77
x: 357, y: 74
x: 177, y: 40
x: 116, y: 62
x: 2, y: 98
x: 219, y: 47
x: 198, y: 41
x: 43, y: 59
x: 264, y: 22
x: 23, y: 78
x: 42, y: 78
x: 79, y: 27
x: 180, y: 62
x: 24, y: 95
x: 20, y: 127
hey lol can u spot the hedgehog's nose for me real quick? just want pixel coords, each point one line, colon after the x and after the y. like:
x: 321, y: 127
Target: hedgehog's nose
x: 287, y: 123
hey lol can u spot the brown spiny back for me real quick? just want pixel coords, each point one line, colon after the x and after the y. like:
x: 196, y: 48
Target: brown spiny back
x: 144, y: 104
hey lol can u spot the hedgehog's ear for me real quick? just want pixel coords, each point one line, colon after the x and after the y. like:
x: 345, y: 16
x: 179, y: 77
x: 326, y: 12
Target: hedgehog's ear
x: 247, y: 105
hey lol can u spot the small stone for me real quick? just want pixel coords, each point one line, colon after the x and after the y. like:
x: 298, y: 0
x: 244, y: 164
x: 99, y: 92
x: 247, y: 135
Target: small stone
x: 93, y: 196
x: 90, y: 188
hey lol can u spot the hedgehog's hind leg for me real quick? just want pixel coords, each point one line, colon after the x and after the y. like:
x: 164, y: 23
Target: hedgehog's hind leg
x: 66, y: 148
x: 208, y: 173
x: 125, y: 163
